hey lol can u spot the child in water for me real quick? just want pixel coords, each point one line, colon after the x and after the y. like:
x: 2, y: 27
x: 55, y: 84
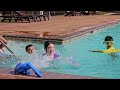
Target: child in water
x: 50, y: 50
x: 30, y: 49
x: 109, y: 45
x: 23, y: 68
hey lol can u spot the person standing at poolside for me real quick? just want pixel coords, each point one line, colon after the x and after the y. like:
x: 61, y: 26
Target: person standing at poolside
x: 50, y: 50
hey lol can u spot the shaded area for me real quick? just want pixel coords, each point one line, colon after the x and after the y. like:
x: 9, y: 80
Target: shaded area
x: 17, y: 16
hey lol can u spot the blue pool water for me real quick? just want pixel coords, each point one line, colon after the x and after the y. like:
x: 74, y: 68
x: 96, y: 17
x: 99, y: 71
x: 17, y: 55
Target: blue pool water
x: 75, y: 58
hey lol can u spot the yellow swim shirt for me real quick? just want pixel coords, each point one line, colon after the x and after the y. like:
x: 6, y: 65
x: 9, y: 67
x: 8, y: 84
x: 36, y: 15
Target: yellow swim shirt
x: 108, y: 51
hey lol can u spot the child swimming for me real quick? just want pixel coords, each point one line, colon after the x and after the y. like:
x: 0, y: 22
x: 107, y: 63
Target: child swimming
x: 109, y: 45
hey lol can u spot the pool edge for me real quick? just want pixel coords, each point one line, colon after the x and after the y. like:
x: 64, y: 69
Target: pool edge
x: 5, y: 73
x: 65, y: 37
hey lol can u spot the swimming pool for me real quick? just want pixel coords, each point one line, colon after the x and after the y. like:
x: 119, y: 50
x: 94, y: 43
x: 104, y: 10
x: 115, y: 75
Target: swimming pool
x: 75, y: 57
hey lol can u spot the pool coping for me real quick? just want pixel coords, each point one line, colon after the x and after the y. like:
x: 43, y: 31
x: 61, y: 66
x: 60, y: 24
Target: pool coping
x: 8, y: 73
x: 64, y: 37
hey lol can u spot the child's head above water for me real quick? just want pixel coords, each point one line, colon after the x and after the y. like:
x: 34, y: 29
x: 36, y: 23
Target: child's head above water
x: 108, y: 38
x: 30, y: 49
x: 108, y: 41
x: 49, y: 47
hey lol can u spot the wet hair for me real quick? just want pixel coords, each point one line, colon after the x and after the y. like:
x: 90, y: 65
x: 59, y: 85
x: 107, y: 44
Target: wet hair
x: 108, y: 38
x: 46, y: 44
x: 26, y: 48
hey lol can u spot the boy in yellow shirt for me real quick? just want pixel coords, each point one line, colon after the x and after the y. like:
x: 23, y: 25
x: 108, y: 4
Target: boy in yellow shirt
x: 110, y: 46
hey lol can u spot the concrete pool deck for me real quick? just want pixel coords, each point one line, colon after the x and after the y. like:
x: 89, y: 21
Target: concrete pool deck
x: 58, y: 28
